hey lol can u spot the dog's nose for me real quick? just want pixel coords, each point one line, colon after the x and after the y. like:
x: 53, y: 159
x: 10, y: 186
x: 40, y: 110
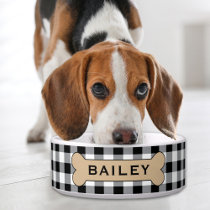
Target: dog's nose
x: 124, y: 136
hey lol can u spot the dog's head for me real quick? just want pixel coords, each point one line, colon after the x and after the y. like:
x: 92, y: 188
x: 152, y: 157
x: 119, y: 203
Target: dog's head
x: 113, y: 83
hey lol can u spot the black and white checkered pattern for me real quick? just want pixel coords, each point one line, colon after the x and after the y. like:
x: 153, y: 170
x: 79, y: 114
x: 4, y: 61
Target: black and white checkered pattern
x: 62, y: 169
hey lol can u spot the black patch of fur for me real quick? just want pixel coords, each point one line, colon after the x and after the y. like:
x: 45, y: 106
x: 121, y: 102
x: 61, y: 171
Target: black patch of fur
x: 94, y: 39
x: 83, y: 11
x: 86, y: 9
x: 47, y: 8
x: 125, y: 40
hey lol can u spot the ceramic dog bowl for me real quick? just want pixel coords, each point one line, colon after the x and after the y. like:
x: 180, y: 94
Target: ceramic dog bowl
x: 153, y: 169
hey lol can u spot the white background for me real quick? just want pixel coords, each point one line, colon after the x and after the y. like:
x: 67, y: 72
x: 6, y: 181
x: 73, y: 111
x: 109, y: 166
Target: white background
x: 164, y: 22
x: 25, y: 169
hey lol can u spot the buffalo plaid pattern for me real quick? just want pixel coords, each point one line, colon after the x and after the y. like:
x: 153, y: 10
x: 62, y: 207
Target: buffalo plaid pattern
x: 62, y: 169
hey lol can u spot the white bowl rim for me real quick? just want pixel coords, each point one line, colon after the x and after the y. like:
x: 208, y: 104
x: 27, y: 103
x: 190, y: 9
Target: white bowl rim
x: 57, y: 140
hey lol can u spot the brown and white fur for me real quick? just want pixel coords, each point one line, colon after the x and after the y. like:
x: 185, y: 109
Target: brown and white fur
x: 72, y: 53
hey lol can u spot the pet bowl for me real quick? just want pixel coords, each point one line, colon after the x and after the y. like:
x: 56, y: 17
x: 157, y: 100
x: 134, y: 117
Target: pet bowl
x: 153, y: 169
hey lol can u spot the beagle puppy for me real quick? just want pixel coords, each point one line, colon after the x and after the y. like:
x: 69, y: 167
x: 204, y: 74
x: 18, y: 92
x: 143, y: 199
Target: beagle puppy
x: 86, y: 57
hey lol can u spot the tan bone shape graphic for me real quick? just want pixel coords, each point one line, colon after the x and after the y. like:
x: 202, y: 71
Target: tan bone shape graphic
x: 118, y: 170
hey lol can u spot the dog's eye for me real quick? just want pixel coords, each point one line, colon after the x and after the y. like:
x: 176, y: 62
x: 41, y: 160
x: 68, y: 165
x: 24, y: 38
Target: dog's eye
x: 141, y: 91
x: 99, y: 91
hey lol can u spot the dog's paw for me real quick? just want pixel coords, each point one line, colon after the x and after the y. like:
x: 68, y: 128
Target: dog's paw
x: 35, y: 135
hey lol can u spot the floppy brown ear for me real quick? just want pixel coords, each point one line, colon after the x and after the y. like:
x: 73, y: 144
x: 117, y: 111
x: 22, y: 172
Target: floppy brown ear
x: 65, y: 98
x: 165, y: 98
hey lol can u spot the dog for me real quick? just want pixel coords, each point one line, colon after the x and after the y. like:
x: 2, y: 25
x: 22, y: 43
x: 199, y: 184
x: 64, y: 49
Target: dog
x: 92, y: 72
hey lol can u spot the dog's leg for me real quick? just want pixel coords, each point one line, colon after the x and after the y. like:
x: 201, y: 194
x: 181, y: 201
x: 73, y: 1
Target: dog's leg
x: 51, y: 52
x: 135, y: 25
x: 57, y: 58
x: 37, y: 133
